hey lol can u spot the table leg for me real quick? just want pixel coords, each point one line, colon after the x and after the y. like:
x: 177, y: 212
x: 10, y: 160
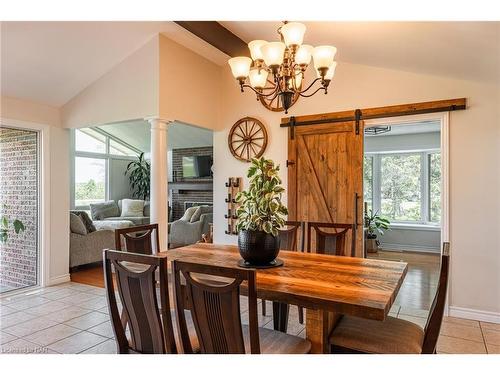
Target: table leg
x: 319, y: 324
x: 280, y: 316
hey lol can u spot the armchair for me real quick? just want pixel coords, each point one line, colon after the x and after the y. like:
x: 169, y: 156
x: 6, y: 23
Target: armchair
x: 187, y: 231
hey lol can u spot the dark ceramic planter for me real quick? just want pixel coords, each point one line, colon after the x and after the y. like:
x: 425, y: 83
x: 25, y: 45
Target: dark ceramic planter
x: 257, y: 247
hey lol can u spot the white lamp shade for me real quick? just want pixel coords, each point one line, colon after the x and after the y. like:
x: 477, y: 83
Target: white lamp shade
x: 240, y: 66
x: 303, y: 54
x: 293, y: 33
x: 258, y: 78
x: 323, y: 56
x: 273, y: 53
x: 330, y: 72
x: 255, y: 51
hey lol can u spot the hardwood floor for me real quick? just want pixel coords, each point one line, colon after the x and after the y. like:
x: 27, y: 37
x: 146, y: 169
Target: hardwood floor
x: 90, y: 275
x: 419, y: 287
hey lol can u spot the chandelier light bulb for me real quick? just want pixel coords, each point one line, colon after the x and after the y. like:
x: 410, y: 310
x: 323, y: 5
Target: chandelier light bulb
x: 255, y: 51
x: 323, y: 56
x: 298, y: 79
x: 273, y: 53
x: 303, y: 54
x: 293, y: 33
x: 240, y: 67
x: 258, y: 78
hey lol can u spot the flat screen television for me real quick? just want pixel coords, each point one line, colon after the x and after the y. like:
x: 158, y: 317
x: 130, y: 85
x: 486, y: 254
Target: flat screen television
x: 196, y: 166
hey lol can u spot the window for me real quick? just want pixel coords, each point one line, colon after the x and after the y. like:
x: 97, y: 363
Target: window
x: 93, y: 150
x: 89, y: 140
x: 368, y: 182
x: 404, y: 187
x: 400, y: 190
x: 90, y: 181
x: 435, y: 187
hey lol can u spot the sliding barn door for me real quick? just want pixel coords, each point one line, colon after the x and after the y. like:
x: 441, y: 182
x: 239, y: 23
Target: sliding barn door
x: 325, y: 176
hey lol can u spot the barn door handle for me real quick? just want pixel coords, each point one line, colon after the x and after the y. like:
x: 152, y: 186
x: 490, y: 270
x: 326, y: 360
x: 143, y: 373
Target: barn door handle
x: 356, y: 209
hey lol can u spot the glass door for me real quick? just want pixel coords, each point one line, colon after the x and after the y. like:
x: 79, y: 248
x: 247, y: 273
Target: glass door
x: 19, y: 208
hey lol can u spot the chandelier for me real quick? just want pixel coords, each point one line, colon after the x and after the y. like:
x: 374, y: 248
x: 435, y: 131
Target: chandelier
x: 285, y: 62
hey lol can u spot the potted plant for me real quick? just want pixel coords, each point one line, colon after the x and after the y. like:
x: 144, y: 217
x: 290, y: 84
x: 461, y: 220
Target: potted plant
x: 5, y: 224
x: 374, y: 224
x: 260, y: 214
x: 139, y: 172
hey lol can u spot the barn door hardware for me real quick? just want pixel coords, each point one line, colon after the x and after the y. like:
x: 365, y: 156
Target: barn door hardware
x: 289, y: 162
x: 357, y: 119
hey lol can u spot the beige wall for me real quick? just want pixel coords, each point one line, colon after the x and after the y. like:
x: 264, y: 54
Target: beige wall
x: 19, y: 110
x: 128, y: 91
x: 474, y: 166
x: 189, y: 86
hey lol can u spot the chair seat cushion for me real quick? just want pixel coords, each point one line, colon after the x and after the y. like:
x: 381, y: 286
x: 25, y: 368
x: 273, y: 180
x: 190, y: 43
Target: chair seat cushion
x: 276, y: 342
x: 391, y: 336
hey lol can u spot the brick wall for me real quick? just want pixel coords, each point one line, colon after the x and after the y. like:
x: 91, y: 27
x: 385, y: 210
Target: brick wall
x: 178, y: 198
x: 19, y: 200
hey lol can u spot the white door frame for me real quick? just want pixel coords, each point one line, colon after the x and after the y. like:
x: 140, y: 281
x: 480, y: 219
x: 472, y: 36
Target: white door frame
x: 444, y: 119
x: 43, y: 196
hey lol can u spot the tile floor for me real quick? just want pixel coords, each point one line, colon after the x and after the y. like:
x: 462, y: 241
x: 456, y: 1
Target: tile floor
x: 72, y: 318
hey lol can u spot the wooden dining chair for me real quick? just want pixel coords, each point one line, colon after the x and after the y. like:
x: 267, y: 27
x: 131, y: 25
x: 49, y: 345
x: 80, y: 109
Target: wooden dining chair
x: 150, y: 324
x: 215, y: 308
x: 331, y: 241
x: 289, y: 238
x: 393, y: 335
x: 138, y: 239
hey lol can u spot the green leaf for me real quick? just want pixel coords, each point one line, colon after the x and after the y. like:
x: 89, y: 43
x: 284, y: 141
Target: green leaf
x: 18, y: 226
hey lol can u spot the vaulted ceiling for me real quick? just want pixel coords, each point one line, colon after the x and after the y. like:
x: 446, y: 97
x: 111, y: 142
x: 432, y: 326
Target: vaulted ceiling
x: 51, y: 62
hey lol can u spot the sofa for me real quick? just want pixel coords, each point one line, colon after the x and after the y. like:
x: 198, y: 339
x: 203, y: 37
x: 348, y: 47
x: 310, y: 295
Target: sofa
x: 190, y: 227
x: 111, y: 211
x: 86, y: 242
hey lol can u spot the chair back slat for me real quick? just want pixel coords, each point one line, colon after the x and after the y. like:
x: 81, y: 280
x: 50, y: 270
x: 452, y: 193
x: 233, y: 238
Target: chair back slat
x: 290, y: 234
x: 433, y: 325
x: 151, y: 329
x: 215, y: 307
x: 139, y: 239
x: 330, y: 238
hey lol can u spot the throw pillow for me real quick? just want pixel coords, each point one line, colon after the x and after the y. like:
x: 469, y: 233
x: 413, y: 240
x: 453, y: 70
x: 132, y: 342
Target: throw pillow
x: 197, y: 214
x: 84, y: 216
x: 189, y: 213
x: 76, y: 225
x: 100, y: 211
x: 132, y: 208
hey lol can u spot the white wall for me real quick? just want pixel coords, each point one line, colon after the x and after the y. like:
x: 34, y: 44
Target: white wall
x: 474, y: 166
x: 189, y: 88
x: 128, y: 91
x: 119, y: 185
x: 58, y: 229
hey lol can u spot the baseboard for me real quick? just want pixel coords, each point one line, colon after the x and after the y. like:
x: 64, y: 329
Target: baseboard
x: 465, y: 313
x: 59, y: 280
x: 403, y: 247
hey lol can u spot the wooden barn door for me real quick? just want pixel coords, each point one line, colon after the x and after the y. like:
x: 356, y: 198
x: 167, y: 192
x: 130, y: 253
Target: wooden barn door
x: 325, y: 176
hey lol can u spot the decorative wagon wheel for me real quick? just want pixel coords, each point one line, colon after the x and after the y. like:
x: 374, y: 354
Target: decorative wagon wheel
x: 247, y: 139
x: 273, y: 103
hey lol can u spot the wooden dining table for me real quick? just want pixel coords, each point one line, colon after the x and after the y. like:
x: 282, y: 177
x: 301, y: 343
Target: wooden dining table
x: 327, y: 286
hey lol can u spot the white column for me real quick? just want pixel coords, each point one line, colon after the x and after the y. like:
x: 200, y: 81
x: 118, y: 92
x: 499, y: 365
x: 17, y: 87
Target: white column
x: 159, y: 178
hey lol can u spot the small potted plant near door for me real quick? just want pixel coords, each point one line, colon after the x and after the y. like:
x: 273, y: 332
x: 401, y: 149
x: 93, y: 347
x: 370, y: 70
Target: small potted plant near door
x: 374, y: 224
x: 260, y: 214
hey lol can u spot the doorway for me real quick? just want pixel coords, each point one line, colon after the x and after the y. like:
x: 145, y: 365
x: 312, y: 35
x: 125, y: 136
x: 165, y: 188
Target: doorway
x: 405, y: 183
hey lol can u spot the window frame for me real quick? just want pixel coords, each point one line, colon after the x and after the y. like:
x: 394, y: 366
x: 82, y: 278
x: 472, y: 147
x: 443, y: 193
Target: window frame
x: 425, y: 214
x: 107, y: 156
